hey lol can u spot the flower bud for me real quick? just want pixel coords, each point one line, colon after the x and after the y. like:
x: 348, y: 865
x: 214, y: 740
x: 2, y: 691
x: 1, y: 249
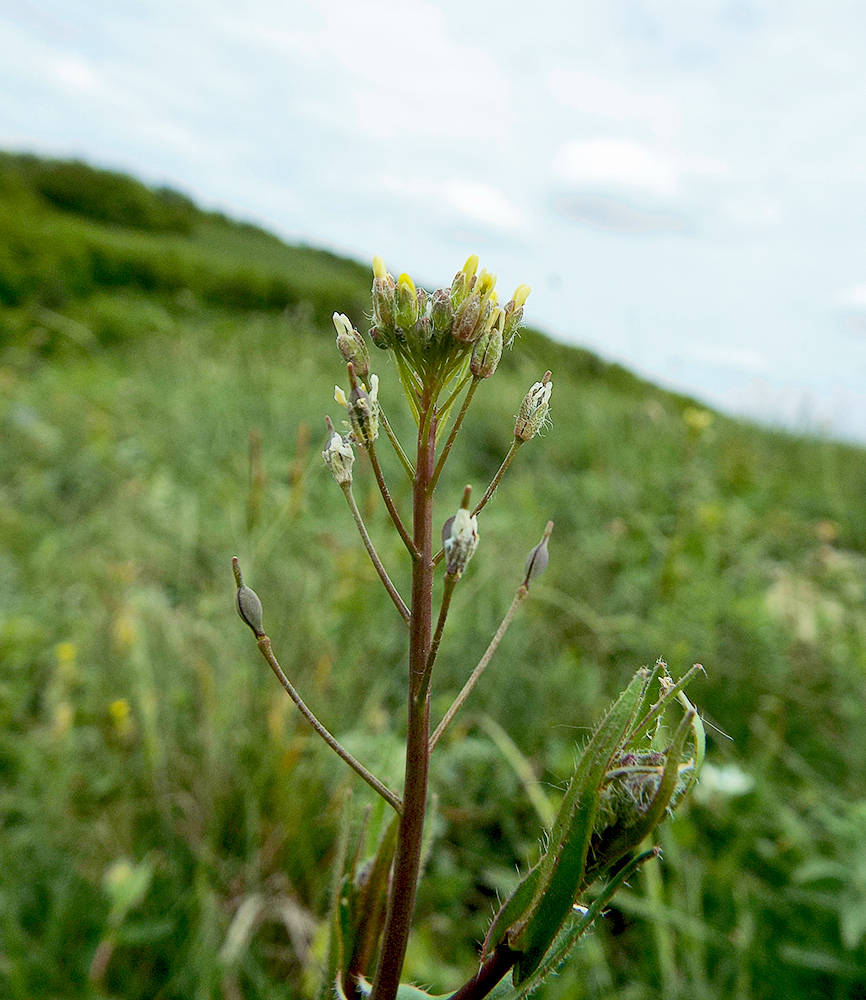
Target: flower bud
x: 459, y: 539
x: 405, y: 303
x: 383, y: 295
x: 467, y: 319
x: 514, y: 313
x: 630, y: 787
x: 378, y: 336
x: 338, y: 455
x: 248, y: 604
x: 487, y: 350
x: 441, y: 311
x: 463, y: 281
x: 351, y: 345
x: 533, y: 409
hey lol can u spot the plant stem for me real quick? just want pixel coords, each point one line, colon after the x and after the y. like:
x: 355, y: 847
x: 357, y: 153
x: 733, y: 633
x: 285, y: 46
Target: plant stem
x: 264, y: 644
x: 457, y: 704
x: 371, y: 551
x: 450, y: 584
x: 389, y: 503
x: 489, y: 975
x: 443, y: 458
x: 407, y: 860
x: 512, y: 451
x: 395, y: 441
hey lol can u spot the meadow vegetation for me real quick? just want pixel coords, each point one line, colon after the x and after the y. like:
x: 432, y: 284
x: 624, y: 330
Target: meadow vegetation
x: 167, y: 819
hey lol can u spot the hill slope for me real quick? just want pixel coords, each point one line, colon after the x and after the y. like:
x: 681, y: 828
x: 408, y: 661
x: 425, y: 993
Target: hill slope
x: 165, y: 374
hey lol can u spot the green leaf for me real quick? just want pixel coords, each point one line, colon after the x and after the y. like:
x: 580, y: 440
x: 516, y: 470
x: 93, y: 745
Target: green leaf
x: 370, y: 904
x: 511, y: 910
x: 568, y: 937
x: 562, y: 868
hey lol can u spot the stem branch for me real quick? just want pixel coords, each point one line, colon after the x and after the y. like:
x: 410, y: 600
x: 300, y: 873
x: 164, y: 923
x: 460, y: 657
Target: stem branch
x: 389, y: 503
x: 374, y: 557
x: 395, y: 441
x: 450, y: 584
x: 457, y: 704
x: 443, y: 458
x: 264, y: 644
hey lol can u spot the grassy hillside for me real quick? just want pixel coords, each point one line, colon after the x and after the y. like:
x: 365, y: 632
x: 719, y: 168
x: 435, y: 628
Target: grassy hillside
x: 167, y: 819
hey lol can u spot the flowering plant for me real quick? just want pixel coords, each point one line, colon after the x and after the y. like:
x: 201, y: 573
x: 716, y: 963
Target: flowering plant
x: 634, y: 768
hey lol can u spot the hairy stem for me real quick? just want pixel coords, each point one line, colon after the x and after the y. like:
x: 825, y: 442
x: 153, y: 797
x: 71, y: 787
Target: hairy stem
x: 489, y: 975
x: 264, y: 644
x: 371, y: 551
x: 407, y: 860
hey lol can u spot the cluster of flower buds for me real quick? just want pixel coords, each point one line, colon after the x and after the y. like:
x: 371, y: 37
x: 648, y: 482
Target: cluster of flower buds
x: 464, y: 317
x: 338, y: 455
x: 362, y: 407
x: 533, y: 409
x: 630, y: 788
x: 459, y: 540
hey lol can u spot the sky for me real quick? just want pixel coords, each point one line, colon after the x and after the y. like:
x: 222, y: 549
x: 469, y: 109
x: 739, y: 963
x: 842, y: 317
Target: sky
x: 682, y: 184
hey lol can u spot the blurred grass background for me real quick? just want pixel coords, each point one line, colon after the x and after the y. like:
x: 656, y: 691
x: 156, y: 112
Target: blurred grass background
x: 166, y: 818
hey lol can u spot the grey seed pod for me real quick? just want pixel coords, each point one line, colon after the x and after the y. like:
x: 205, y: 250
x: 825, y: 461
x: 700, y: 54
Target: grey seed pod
x: 537, y: 560
x: 248, y: 604
x: 250, y: 609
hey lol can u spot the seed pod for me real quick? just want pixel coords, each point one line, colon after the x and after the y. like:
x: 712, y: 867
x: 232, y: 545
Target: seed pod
x: 460, y: 540
x: 536, y: 561
x: 338, y: 455
x: 533, y: 409
x: 248, y: 604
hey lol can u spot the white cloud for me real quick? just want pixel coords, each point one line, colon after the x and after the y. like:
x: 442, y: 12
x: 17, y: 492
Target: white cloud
x: 628, y: 163
x: 590, y: 94
x: 731, y: 357
x: 856, y: 296
x: 482, y: 202
x: 396, y: 64
x: 76, y: 74
x: 472, y: 199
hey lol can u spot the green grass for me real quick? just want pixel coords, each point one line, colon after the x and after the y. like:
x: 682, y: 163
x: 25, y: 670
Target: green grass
x: 139, y: 724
